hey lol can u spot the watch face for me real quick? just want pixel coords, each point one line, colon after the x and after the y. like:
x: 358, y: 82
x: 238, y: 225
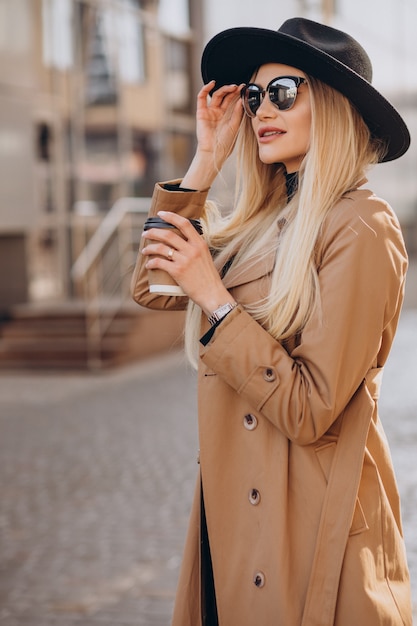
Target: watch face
x: 219, y: 313
x: 223, y: 310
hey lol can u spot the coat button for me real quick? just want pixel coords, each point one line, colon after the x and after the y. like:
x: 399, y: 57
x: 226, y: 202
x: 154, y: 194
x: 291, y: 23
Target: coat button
x: 254, y: 496
x: 269, y: 374
x: 259, y: 579
x: 250, y: 422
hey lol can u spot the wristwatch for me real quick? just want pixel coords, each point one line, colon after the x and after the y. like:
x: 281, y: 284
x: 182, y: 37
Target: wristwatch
x: 221, y: 312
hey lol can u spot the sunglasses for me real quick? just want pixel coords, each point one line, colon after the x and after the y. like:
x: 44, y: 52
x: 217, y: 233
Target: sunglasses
x: 282, y: 92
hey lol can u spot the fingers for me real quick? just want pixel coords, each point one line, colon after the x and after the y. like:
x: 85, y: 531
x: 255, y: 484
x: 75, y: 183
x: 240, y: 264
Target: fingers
x: 157, y: 240
x: 224, y: 96
x: 205, y: 90
x: 165, y: 249
x: 182, y: 223
x: 159, y: 249
x: 220, y: 97
x: 237, y: 112
x: 170, y: 237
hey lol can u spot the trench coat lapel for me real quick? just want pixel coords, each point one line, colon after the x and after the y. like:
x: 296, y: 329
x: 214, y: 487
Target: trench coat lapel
x: 251, y: 269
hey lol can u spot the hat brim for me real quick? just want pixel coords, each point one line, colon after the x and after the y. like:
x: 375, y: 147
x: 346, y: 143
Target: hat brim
x: 233, y: 55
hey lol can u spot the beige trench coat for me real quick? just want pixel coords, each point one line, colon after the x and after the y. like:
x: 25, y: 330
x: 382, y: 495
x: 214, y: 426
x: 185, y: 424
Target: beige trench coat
x: 301, y: 502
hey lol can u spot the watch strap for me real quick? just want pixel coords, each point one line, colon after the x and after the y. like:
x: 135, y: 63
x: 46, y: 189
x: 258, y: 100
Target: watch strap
x: 221, y: 312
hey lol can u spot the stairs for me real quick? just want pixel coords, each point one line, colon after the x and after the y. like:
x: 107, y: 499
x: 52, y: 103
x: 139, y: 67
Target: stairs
x: 54, y: 336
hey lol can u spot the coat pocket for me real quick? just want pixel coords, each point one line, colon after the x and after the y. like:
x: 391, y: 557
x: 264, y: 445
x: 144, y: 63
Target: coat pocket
x: 325, y: 455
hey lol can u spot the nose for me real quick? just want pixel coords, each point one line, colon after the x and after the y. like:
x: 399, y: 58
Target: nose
x: 266, y: 108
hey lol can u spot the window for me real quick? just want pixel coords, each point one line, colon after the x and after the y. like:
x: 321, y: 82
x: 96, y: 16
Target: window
x: 178, y: 78
x: 57, y: 33
x: 131, y: 45
x: 174, y: 17
x: 101, y: 78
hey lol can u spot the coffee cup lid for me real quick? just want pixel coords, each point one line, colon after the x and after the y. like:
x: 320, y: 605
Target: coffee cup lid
x: 158, y: 222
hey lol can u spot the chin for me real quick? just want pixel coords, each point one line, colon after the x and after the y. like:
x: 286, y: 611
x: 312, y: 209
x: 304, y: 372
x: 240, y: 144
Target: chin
x: 269, y: 160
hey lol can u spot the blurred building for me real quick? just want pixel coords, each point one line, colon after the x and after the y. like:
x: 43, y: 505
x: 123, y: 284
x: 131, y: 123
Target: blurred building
x: 96, y: 101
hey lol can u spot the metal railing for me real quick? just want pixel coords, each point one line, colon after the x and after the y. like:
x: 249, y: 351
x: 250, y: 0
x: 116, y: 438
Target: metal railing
x: 102, y: 271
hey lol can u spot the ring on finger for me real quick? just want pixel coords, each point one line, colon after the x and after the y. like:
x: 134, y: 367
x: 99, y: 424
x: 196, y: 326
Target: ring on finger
x: 170, y: 254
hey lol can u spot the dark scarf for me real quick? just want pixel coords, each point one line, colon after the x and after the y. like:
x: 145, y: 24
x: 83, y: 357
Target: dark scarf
x: 291, y: 182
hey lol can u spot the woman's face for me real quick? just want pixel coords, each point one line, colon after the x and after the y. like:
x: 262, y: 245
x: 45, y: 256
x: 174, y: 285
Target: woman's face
x: 282, y: 136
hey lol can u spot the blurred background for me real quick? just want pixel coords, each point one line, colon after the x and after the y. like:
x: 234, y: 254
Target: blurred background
x: 97, y: 103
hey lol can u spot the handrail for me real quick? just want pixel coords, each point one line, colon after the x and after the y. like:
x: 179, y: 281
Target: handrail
x: 106, y: 229
x: 103, y: 259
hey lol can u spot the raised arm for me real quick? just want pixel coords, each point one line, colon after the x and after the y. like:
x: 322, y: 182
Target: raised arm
x: 217, y: 122
x: 190, y: 263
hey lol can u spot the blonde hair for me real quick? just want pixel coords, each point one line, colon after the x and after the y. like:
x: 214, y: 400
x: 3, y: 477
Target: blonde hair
x: 340, y: 150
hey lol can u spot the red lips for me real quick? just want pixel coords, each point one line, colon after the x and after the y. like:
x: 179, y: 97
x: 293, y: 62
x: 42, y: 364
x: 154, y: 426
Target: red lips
x: 267, y: 132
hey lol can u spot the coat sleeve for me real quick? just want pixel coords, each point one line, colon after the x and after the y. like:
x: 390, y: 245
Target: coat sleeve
x: 361, y: 277
x: 189, y: 204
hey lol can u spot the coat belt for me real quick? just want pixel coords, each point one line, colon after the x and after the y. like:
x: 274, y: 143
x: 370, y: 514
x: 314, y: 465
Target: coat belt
x: 373, y: 381
x: 341, y: 494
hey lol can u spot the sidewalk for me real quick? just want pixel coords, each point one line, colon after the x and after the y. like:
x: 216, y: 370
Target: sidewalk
x: 410, y: 300
x: 97, y: 474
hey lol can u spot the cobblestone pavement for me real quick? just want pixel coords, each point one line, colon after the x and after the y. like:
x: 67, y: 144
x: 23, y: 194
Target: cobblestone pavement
x: 96, y: 477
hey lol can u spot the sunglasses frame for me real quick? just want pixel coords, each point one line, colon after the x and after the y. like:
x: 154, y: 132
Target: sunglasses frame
x: 298, y: 80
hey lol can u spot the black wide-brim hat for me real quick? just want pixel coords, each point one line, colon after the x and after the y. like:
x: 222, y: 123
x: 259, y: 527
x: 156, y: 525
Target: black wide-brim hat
x: 326, y: 53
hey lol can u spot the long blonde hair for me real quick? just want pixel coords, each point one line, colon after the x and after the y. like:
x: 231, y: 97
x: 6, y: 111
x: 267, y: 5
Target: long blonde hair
x: 340, y: 150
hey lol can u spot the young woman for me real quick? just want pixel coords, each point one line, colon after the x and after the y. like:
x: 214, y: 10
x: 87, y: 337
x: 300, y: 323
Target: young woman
x: 293, y: 301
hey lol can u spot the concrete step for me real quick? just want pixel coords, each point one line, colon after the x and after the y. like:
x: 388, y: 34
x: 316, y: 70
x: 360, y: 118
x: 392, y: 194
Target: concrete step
x: 55, y: 337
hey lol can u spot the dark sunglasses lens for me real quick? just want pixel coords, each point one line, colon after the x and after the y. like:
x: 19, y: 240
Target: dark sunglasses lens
x: 252, y: 97
x: 283, y: 93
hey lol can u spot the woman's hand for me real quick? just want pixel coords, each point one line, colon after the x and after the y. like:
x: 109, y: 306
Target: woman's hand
x: 218, y: 120
x: 190, y: 264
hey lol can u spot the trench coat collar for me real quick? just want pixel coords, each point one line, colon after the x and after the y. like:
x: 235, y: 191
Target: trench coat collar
x: 262, y: 264
x: 251, y: 269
